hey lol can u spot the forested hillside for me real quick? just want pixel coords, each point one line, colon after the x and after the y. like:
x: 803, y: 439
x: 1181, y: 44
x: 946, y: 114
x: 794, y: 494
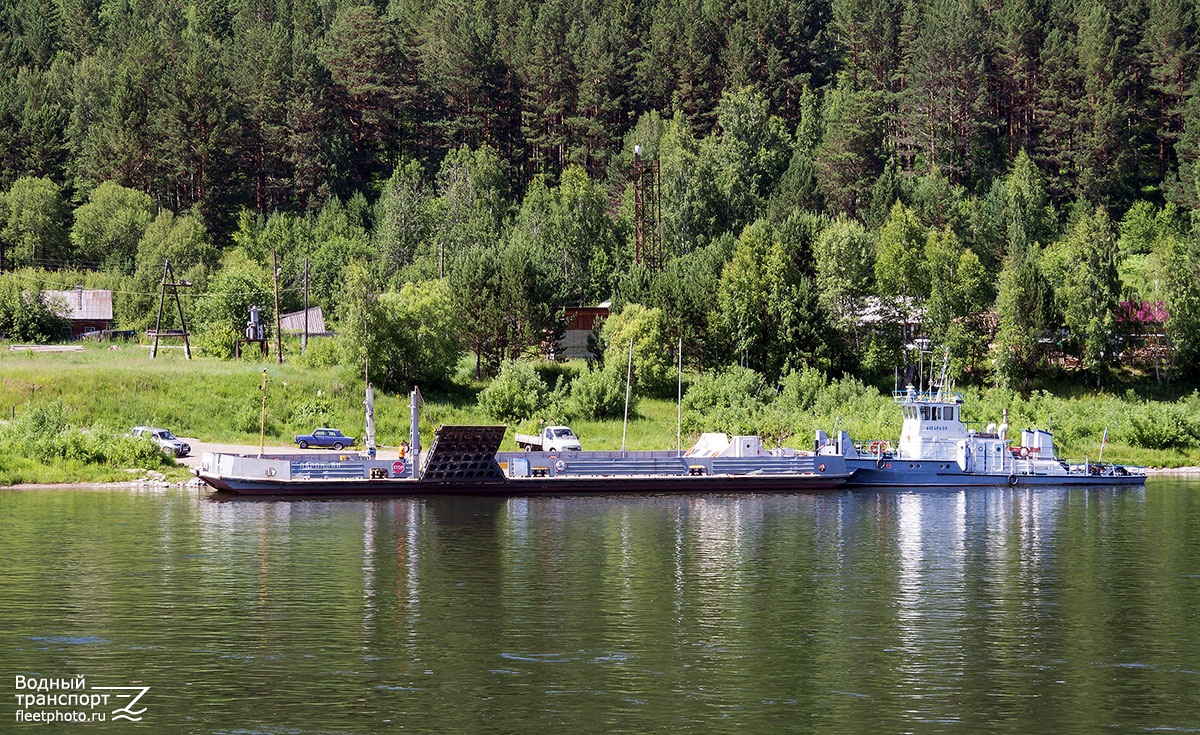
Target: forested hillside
x: 818, y: 182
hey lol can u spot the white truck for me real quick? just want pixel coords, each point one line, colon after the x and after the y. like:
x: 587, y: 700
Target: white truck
x: 552, y: 439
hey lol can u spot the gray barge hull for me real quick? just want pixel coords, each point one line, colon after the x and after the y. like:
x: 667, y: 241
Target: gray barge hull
x: 464, y: 461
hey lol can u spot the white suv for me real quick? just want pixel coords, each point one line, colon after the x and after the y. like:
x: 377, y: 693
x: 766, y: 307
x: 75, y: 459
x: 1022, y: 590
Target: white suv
x: 170, y: 443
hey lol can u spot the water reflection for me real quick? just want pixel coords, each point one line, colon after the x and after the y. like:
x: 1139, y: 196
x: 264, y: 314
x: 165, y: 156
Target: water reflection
x: 1040, y: 609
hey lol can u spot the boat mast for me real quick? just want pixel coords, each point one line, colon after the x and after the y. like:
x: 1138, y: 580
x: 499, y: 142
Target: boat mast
x: 369, y: 406
x: 414, y: 428
x: 679, y: 404
x: 628, y: 387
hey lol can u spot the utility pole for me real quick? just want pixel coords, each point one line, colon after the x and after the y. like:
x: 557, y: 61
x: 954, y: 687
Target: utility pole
x: 162, y: 298
x: 304, y: 340
x: 278, y: 337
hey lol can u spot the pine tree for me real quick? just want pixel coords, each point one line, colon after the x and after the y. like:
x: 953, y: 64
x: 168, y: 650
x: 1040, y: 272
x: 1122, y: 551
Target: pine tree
x: 367, y: 70
x: 943, y: 104
x: 851, y: 154
x: 548, y: 84
x: 1017, y: 32
x: 1059, y: 105
x: 473, y: 90
x: 1170, y: 52
x: 1106, y: 164
x: 259, y: 63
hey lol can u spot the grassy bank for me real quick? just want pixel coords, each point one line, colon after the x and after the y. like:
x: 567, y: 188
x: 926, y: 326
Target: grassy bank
x: 104, y: 391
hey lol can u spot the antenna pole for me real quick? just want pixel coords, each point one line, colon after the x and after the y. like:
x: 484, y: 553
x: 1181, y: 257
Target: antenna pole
x: 304, y: 342
x: 278, y: 337
x: 679, y: 404
x: 262, y: 425
x: 628, y: 383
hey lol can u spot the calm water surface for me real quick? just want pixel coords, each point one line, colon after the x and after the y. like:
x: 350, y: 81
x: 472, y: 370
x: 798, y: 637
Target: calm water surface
x: 1041, y: 610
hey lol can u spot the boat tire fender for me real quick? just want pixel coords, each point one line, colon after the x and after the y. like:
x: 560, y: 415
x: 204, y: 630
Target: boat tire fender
x: 1012, y: 479
x: 880, y: 464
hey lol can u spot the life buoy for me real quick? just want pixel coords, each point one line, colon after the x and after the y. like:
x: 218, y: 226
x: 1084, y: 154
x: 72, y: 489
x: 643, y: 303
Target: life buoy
x: 885, y: 447
x: 559, y: 465
x: 1024, y: 452
x: 1012, y: 479
x: 873, y: 447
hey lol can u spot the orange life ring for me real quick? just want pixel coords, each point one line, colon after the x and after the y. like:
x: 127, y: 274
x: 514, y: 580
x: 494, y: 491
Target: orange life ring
x: 1024, y: 452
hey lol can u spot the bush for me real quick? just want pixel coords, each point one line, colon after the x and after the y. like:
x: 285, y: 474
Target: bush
x: 729, y: 401
x: 599, y: 394
x: 217, y: 340
x: 653, y: 368
x: 557, y: 373
x: 308, y: 413
x: 249, y: 418
x: 44, y: 433
x: 515, y: 394
x: 1162, y: 426
x: 321, y: 352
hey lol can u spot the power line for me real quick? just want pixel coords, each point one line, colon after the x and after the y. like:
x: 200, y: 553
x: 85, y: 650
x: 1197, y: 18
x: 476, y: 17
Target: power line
x: 69, y: 286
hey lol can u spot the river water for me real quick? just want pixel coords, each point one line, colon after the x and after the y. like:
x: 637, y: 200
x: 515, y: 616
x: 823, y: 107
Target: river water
x: 1006, y: 610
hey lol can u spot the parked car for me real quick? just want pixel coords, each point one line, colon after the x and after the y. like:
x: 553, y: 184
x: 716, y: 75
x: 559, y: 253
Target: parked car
x: 324, y: 438
x: 170, y: 443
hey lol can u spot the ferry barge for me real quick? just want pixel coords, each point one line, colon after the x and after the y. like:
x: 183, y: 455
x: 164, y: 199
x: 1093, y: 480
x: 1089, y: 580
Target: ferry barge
x: 466, y: 460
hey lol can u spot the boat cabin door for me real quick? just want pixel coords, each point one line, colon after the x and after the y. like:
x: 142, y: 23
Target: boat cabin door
x: 963, y: 455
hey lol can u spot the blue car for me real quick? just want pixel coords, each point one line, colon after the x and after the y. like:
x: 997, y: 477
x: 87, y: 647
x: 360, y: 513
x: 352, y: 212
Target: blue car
x: 331, y: 438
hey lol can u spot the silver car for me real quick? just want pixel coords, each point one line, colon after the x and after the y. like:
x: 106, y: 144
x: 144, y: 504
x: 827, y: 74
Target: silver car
x: 170, y: 443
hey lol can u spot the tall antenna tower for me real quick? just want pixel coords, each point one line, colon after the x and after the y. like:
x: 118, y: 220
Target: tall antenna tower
x: 647, y: 244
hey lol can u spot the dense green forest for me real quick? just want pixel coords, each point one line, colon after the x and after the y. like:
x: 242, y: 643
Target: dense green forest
x: 779, y: 184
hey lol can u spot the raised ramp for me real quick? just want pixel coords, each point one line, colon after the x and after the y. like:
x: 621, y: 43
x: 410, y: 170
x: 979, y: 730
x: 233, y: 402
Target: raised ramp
x: 464, y: 454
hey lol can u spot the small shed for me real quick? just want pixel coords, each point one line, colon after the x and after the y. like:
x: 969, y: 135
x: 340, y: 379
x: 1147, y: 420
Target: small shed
x: 88, y: 310
x: 580, y: 322
x: 293, y: 323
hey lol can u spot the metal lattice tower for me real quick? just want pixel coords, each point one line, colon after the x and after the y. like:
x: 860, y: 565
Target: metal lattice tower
x: 647, y: 243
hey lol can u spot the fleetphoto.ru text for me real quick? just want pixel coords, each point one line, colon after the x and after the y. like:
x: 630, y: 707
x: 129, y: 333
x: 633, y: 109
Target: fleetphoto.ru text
x: 51, y: 699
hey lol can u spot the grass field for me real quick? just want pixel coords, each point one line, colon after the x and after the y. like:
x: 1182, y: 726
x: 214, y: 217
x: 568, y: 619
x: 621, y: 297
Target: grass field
x: 110, y: 390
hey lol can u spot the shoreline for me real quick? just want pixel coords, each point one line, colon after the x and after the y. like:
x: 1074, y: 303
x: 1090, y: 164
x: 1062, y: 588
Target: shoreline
x: 1181, y: 471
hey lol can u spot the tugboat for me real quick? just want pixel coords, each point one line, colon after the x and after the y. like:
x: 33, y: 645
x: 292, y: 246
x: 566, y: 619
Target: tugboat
x: 936, y: 449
